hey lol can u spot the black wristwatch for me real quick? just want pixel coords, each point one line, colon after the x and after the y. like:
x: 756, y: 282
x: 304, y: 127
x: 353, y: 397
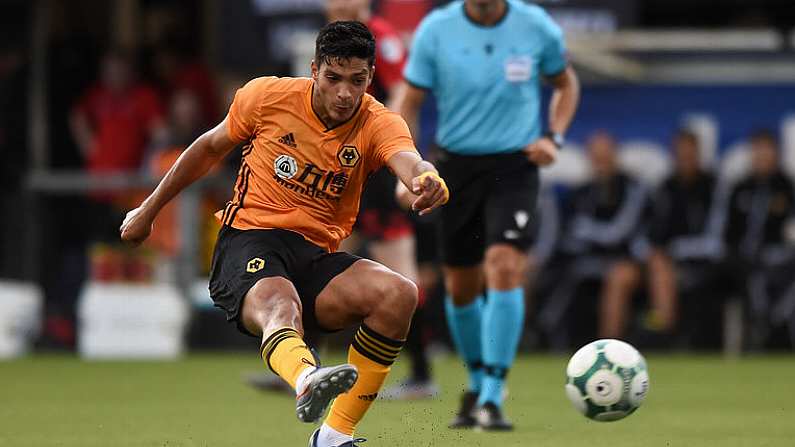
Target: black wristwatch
x: 557, y: 138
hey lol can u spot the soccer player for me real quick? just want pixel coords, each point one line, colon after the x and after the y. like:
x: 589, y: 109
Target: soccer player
x: 484, y: 60
x: 309, y: 146
x: 382, y: 223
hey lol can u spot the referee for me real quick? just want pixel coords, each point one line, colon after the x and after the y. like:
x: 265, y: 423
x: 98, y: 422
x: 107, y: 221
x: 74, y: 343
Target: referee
x: 484, y: 61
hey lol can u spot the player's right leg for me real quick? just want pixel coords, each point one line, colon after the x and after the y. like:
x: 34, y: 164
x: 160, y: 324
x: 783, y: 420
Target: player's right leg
x: 251, y: 280
x: 464, y: 312
x: 272, y: 308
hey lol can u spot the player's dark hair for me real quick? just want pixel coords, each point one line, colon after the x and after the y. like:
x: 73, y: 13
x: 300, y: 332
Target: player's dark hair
x: 339, y: 41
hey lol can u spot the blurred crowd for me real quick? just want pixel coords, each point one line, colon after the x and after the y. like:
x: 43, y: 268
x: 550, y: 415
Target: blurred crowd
x: 614, y: 257
x: 657, y: 265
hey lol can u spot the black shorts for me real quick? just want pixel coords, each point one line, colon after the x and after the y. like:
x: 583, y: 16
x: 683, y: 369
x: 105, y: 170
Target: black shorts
x: 243, y: 257
x: 380, y: 216
x: 492, y: 200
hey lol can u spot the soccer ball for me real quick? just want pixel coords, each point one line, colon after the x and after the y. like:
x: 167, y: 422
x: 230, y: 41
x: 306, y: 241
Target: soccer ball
x: 607, y: 380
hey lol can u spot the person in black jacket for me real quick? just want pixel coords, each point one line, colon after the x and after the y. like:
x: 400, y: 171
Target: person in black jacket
x: 685, y: 242
x: 602, y: 231
x: 760, y: 208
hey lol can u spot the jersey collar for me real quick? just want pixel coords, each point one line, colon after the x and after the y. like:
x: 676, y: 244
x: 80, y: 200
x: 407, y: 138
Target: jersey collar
x: 480, y: 25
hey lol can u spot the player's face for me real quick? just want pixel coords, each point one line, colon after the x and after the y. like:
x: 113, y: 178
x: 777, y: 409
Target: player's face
x: 345, y: 9
x: 339, y: 87
x: 764, y: 158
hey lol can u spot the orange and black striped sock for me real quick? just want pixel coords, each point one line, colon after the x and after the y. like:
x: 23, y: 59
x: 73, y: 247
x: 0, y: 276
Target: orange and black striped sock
x: 373, y: 355
x: 286, y: 354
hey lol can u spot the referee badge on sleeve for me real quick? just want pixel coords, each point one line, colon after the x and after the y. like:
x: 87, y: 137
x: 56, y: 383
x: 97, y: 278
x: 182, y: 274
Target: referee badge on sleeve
x: 255, y: 265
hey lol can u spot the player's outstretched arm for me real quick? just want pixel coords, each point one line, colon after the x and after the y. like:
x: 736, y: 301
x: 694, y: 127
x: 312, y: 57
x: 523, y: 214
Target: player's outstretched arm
x: 197, y: 159
x: 422, y: 179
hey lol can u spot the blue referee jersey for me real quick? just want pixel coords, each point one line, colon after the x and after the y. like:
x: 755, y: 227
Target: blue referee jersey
x: 486, y: 79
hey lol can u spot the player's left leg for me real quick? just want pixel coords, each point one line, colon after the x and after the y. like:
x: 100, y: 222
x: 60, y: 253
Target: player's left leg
x: 381, y: 302
x: 503, y: 322
x: 509, y: 214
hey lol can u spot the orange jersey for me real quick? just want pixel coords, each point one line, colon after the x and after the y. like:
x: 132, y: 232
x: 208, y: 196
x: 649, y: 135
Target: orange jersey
x: 298, y: 175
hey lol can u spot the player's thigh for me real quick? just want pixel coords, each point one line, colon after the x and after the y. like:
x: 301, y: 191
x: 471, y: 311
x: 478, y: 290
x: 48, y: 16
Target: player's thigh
x: 240, y: 260
x: 460, y: 227
x: 270, y: 304
x: 511, y: 207
x: 362, y: 290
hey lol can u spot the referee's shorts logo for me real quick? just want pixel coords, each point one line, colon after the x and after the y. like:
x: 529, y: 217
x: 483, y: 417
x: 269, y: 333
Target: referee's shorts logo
x: 255, y: 265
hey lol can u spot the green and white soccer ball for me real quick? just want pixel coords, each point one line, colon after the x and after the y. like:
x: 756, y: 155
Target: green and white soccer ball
x: 607, y: 380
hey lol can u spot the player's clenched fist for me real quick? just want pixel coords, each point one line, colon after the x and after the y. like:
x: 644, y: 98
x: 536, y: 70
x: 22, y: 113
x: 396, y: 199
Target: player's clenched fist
x: 541, y: 152
x: 136, y: 226
x: 432, y: 192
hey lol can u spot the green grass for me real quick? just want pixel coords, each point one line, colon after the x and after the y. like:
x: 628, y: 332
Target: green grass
x: 201, y: 401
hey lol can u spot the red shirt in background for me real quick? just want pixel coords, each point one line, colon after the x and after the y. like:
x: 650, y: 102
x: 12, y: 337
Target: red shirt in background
x: 122, y: 122
x: 390, y: 56
x: 197, y: 79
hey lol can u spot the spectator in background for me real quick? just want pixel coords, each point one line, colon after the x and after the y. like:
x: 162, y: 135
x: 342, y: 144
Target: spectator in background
x: 603, y: 227
x: 113, y: 123
x: 683, y: 262
x: 178, y: 71
x: 185, y: 124
x: 390, y: 53
x: 116, y: 118
x: 760, y: 206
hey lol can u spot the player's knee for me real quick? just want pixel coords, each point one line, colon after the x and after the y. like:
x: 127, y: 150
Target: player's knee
x: 398, y: 297
x: 268, y: 295
x: 505, y: 264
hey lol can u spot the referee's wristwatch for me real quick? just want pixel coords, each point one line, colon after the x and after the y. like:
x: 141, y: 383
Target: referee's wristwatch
x: 556, y: 138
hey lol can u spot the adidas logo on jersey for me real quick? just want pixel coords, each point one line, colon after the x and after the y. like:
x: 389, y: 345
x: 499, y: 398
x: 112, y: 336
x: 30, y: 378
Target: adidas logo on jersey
x: 288, y: 140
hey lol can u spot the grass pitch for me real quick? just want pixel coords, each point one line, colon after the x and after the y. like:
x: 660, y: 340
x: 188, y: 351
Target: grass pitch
x: 202, y: 401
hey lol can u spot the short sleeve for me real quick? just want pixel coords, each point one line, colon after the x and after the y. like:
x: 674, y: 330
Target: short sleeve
x: 420, y: 70
x: 242, y: 118
x: 553, y: 56
x: 390, y: 136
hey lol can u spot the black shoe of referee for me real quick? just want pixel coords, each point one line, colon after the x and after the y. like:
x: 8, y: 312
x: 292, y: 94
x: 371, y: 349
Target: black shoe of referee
x: 465, y: 417
x: 489, y: 418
